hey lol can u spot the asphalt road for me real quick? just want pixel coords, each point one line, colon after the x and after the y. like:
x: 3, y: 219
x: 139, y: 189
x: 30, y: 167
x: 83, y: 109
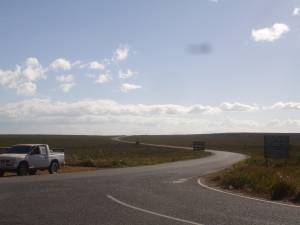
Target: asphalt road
x: 163, y: 194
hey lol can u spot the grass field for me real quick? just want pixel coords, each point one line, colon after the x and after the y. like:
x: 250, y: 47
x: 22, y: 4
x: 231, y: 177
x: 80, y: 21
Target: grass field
x: 102, y: 152
x: 248, y: 143
x: 279, y: 181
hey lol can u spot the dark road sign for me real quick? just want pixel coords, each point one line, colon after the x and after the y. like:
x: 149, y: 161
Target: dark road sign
x: 276, y: 147
x: 198, y: 145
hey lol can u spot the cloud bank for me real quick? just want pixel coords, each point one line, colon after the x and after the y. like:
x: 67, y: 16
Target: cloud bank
x: 98, y: 117
x: 39, y: 108
x: 102, y: 116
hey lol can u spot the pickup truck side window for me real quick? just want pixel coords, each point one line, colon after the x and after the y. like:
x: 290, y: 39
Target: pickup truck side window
x: 35, y: 151
x: 43, y: 150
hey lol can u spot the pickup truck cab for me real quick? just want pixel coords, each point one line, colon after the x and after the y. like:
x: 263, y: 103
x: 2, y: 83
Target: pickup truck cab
x: 26, y: 159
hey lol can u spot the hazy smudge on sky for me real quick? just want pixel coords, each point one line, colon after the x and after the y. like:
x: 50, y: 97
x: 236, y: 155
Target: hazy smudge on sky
x: 204, y: 48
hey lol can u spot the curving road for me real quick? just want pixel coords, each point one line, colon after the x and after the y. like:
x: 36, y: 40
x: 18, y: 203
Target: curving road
x: 166, y: 194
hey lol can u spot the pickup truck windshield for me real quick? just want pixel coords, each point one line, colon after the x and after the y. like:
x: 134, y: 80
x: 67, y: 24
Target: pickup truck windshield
x: 19, y: 150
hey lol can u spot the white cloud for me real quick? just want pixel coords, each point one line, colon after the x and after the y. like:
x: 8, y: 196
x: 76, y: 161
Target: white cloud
x: 270, y: 34
x: 285, y: 105
x: 60, y: 64
x: 129, y: 87
x: 103, y: 78
x: 121, y: 53
x: 238, y: 107
x: 296, y: 11
x: 76, y: 63
x: 33, y: 69
x: 65, y: 78
x: 126, y: 74
x: 27, y: 88
x: 94, y: 65
x: 10, y: 78
x: 66, y: 87
x: 288, y: 125
x: 23, y: 78
x: 66, y: 82
x: 204, y: 109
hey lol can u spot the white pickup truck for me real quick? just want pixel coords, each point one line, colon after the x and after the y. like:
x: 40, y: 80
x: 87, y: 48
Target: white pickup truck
x: 26, y: 159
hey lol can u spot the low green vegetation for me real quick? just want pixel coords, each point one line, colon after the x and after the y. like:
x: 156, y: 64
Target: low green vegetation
x: 102, y: 152
x: 278, y: 181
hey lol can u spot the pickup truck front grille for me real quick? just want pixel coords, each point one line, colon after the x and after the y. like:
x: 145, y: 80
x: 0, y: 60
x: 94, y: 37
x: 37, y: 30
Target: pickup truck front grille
x: 4, y: 163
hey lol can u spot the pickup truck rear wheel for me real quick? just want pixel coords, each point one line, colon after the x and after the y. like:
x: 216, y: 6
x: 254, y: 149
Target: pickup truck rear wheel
x: 53, y: 168
x: 23, y: 169
x: 1, y: 173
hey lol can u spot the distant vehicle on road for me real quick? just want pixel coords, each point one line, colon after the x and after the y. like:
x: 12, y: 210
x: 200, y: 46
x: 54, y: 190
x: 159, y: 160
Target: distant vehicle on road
x: 26, y: 159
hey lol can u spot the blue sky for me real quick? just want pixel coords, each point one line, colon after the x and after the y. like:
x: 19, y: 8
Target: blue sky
x: 127, y: 67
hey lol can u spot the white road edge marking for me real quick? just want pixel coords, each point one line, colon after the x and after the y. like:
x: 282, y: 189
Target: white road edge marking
x: 246, y: 197
x: 179, y: 181
x: 151, y: 212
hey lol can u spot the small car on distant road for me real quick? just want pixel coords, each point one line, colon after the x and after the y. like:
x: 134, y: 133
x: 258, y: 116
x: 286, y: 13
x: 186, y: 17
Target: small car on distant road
x: 26, y: 159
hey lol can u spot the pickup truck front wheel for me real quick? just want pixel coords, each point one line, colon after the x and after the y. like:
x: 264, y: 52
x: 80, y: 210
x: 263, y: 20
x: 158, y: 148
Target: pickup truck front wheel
x: 53, y: 168
x: 32, y: 172
x: 23, y: 169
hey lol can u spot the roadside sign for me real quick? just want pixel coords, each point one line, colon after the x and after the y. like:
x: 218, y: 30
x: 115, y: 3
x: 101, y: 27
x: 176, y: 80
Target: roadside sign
x: 276, y: 147
x: 198, y: 145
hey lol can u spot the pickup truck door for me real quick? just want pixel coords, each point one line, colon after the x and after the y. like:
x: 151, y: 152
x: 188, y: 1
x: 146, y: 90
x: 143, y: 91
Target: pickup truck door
x: 39, y: 157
